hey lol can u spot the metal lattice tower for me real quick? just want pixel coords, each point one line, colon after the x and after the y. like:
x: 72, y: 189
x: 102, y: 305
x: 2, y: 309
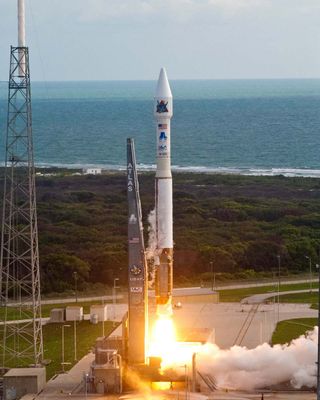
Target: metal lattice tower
x: 21, y: 342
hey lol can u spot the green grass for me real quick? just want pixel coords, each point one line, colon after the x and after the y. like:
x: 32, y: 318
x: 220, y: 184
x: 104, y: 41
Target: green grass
x: 235, y: 295
x: 46, y: 308
x: 292, y: 329
x: 86, y: 336
x: 307, y: 297
x: 13, y: 313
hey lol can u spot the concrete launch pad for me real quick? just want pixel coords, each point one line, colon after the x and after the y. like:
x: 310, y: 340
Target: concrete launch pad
x: 216, y: 320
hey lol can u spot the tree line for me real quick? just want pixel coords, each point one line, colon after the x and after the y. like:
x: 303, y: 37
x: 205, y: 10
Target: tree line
x: 238, y: 223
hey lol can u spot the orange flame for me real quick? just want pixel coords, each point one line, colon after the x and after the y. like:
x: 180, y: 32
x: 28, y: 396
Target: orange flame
x: 164, y: 344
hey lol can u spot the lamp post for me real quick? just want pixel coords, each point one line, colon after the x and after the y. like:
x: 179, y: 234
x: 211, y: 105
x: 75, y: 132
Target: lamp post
x: 115, y: 287
x: 194, y: 372
x: 279, y: 268
x: 213, y: 277
x: 103, y: 318
x: 62, y: 345
x: 75, y: 276
x: 75, y: 338
x: 86, y: 385
x: 310, y: 272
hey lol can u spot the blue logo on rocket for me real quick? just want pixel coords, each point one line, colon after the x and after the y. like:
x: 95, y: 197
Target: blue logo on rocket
x: 162, y: 106
x: 163, y: 137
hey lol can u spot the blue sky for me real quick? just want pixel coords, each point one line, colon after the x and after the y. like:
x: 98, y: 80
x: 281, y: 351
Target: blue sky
x: 193, y: 39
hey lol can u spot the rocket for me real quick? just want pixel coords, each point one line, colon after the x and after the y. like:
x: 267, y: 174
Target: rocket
x: 163, y: 196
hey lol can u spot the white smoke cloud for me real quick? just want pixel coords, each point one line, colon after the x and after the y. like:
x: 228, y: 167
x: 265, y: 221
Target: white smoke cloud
x: 247, y: 369
x: 152, y: 243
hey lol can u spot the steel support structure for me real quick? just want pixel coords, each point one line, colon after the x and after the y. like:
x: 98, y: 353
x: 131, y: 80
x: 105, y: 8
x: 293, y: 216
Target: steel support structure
x: 20, y: 314
x: 137, y: 268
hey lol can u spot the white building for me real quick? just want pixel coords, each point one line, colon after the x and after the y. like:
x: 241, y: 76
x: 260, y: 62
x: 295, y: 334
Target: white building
x: 92, y: 171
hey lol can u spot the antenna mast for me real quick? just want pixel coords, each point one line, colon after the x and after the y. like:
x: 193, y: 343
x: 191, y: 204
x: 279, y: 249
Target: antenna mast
x: 20, y: 341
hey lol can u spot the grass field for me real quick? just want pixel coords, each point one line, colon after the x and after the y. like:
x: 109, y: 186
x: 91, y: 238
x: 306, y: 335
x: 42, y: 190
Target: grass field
x: 292, y: 329
x: 235, y: 295
x: 86, y: 336
x: 307, y: 297
x: 13, y: 313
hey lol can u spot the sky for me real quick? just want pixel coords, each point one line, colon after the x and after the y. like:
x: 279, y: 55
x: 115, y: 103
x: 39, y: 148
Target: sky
x: 193, y: 39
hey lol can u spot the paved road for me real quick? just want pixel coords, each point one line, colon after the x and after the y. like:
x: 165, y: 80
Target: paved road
x: 178, y: 291
x: 265, y: 283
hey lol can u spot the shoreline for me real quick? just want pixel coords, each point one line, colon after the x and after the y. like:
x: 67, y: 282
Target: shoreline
x: 238, y: 171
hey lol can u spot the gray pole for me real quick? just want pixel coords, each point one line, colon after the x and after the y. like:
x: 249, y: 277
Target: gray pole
x: 115, y: 287
x: 86, y: 385
x: 310, y: 271
x: 62, y: 348
x: 310, y: 265
x: 279, y: 267
x: 75, y: 339
x: 62, y: 345
x: 194, y: 373
x: 75, y: 275
x: 103, y: 318
x: 211, y: 269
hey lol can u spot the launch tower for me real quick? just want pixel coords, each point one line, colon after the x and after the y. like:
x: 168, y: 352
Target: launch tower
x: 137, y: 273
x: 21, y: 332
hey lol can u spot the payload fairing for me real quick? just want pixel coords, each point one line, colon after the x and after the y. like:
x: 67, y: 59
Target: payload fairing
x: 163, y: 195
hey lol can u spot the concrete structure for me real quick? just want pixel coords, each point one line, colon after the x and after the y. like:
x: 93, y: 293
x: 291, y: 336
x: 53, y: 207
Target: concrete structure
x: 108, y: 373
x: 57, y: 315
x: 18, y: 382
x: 106, y: 368
x: 163, y: 257
x: 100, y: 310
x: 74, y: 313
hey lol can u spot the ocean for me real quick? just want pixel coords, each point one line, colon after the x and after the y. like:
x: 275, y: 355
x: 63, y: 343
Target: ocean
x: 257, y: 127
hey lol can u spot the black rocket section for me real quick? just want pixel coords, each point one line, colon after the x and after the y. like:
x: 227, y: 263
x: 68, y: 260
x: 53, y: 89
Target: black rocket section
x: 137, y: 266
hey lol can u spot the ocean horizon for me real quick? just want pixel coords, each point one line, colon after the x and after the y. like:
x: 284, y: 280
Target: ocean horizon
x: 250, y: 127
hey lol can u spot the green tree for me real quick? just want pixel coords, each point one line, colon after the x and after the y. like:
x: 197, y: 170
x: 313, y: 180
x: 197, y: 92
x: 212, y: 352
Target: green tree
x: 57, y: 272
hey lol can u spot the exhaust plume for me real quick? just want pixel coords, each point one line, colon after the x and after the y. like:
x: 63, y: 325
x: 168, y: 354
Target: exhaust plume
x: 248, y: 369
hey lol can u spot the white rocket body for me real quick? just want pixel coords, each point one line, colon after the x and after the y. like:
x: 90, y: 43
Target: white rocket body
x: 163, y: 187
x: 21, y: 24
x: 21, y: 36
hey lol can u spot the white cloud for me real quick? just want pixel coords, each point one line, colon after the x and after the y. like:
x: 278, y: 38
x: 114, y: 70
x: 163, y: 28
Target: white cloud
x: 195, y: 38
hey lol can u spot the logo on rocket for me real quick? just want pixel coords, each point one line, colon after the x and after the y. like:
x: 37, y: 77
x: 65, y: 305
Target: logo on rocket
x: 163, y: 137
x: 136, y: 270
x: 162, y: 107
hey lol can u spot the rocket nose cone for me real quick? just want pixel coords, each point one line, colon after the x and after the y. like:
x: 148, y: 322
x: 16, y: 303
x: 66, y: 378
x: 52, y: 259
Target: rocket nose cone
x: 163, y: 87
